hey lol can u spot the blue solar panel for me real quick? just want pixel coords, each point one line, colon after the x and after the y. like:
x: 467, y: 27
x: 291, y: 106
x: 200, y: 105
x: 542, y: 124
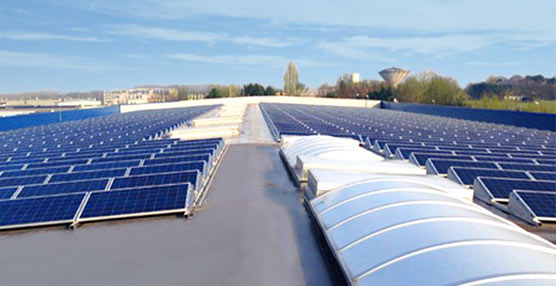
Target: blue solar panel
x: 421, y: 158
x: 549, y: 176
x: 111, y: 165
x: 63, y: 188
x: 500, y: 188
x: 546, y: 161
x: 30, y: 172
x: 133, y: 202
x: 184, y: 153
x: 88, y: 175
x: 7, y: 192
x: 39, y: 211
x: 404, y: 153
x: 121, y: 158
x: 152, y: 169
x: 528, y: 167
x: 503, y: 159
x: 58, y: 163
x: 157, y: 179
x: 466, y: 176
x: 20, y: 181
x: 168, y: 160
x: 441, y: 166
x: 11, y: 167
x: 542, y: 204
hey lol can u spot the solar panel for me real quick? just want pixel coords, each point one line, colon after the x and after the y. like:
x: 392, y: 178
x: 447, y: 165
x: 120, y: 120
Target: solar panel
x: 550, y: 176
x: 20, y: 181
x: 39, y: 211
x: 466, y: 176
x: 63, y: 188
x: 168, y: 160
x: 441, y: 166
x: 546, y: 161
x: 420, y: 159
x: 533, y: 206
x: 184, y: 153
x: 30, y: 172
x: 528, y: 167
x: 166, y: 168
x: 121, y: 158
x: 88, y: 175
x: 156, y: 179
x: 111, y: 165
x: 57, y: 163
x: 7, y: 192
x: 498, y: 189
x: 503, y: 159
x: 11, y: 167
x: 136, y: 202
x: 404, y: 153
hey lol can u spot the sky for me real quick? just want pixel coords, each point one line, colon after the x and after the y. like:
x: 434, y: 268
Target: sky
x: 75, y: 45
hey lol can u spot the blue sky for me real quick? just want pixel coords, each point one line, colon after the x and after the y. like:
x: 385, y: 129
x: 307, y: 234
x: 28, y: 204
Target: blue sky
x: 85, y: 45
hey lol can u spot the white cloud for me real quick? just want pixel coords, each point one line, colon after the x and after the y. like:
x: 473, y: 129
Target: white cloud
x: 165, y: 34
x: 418, y: 15
x: 23, y: 59
x: 436, y: 46
x: 258, y: 60
x: 156, y: 33
x: 30, y: 36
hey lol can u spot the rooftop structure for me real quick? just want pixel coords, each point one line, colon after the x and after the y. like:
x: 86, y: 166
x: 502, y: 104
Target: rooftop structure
x: 388, y: 197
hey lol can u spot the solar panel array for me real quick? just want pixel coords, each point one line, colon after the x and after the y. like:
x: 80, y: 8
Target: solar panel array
x: 102, y: 168
x: 462, y: 150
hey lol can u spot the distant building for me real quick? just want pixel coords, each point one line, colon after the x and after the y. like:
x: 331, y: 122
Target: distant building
x: 79, y: 103
x: 135, y: 95
x: 354, y: 78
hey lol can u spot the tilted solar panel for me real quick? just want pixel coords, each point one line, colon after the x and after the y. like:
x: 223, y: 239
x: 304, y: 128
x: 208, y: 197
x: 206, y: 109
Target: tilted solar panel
x: 63, y: 188
x: 20, y: 181
x: 110, y: 165
x: 184, y: 153
x: 533, y: 206
x: 441, y: 166
x: 168, y: 160
x: 466, y: 176
x: 7, y: 192
x: 528, y: 167
x: 420, y: 159
x: 121, y: 158
x: 550, y: 176
x: 136, y: 202
x: 157, y: 179
x: 87, y: 175
x: 499, y: 189
x: 31, y: 172
x: 49, y: 210
x: 166, y: 168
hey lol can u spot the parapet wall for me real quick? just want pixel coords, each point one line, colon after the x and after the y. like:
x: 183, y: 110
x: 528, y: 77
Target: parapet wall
x: 254, y: 100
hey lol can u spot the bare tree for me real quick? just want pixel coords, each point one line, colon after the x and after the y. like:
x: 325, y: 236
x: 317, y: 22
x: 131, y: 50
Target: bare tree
x: 291, y: 79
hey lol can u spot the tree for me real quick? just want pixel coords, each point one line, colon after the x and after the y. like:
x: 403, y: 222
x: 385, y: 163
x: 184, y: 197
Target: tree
x: 214, y: 93
x: 269, y: 90
x: 291, y: 80
x: 253, y: 89
x: 430, y: 88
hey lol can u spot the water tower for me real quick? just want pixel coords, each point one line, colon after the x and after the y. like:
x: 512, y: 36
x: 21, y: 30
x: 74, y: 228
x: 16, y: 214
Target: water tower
x: 393, y: 76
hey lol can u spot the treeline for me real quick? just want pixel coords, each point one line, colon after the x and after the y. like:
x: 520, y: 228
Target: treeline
x: 424, y: 87
x: 529, y: 88
x: 252, y: 89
